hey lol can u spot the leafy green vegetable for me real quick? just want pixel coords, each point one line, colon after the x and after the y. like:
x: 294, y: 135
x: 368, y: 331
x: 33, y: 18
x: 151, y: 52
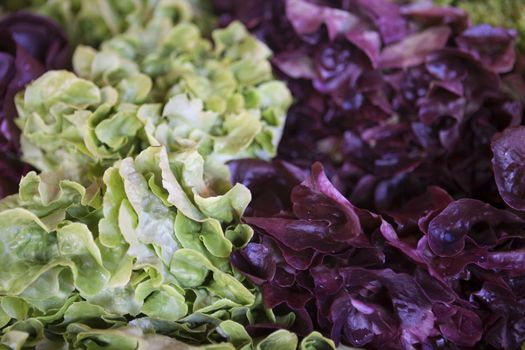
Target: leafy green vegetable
x: 150, y: 244
x: 92, y: 22
x: 219, y: 97
x: 141, y: 256
x: 162, y: 85
x: 134, y: 338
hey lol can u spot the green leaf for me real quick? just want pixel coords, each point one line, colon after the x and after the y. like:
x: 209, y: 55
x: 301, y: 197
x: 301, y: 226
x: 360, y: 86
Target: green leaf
x: 235, y: 333
x: 14, y: 307
x: 76, y: 243
x: 315, y: 341
x: 165, y: 304
x: 226, y: 207
x: 155, y: 222
x: 60, y: 87
x: 115, y: 130
x: 191, y: 269
x: 281, y: 339
x: 14, y: 340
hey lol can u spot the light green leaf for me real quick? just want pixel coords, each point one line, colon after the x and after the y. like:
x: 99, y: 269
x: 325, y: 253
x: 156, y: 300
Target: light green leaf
x: 60, y: 87
x: 281, y: 339
x: 76, y: 243
x: 227, y: 207
x: 155, y: 222
x: 315, y: 341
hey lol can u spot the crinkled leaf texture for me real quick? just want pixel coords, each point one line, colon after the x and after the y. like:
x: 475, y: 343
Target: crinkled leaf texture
x: 151, y: 245
x: 434, y: 273
x: 91, y: 23
x: 29, y: 46
x: 509, y: 14
x: 391, y: 98
x: 132, y: 262
x: 179, y: 90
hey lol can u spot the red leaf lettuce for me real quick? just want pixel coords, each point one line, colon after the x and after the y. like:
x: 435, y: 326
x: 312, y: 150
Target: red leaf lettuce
x: 29, y: 46
x: 434, y: 273
x: 390, y: 98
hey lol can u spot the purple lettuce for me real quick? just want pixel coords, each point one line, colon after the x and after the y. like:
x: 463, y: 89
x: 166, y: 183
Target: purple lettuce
x: 433, y: 273
x: 415, y: 115
x: 390, y: 98
x: 509, y: 165
x: 29, y: 46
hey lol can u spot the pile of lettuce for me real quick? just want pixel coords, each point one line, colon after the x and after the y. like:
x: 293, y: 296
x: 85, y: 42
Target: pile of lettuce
x: 164, y: 84
x: 390, y: 98
x: 145, y: 252
x: 29, y: 46
x: 172, y: 208
x: 92, y: 22
x: 437, y: 273
x: 411, y: 234
x: 157, y: 82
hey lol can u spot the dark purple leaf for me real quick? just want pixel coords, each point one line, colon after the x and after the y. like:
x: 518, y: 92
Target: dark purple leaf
x: 413, y: 49
x: 29, y: 46
x: 404, y: 106
x: 493, y: 46
x: 364, y: 282
x: 508, y: 148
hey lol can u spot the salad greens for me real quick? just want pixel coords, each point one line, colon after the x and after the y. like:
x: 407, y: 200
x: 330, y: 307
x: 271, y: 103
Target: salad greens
x: 147, y: 249
x: 180, y: 91
x: 124, y: 239
x: 157, y: 219
x: 92, y: 22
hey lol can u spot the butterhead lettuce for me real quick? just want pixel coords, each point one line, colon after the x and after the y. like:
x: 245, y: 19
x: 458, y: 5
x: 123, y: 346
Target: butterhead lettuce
x: 92, y: 22
x: 132, y: 261
x: 125, y: 238
x: 164, y: 85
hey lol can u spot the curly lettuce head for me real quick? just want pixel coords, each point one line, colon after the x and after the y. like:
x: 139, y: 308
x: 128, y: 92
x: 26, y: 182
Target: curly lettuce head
x: 91, y: 22
x: 208, y: 87
x: 167, y: 86
x: 147, y: 249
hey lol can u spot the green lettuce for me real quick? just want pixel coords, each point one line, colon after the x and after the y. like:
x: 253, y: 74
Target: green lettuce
x: 81, y: 336
x: 91, y: 22
x: 131, y: 262
x: 163, y: 85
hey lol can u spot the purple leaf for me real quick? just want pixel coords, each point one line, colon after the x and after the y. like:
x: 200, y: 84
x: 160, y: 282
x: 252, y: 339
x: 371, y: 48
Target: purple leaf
x: 508, y: 148
x: 29, y: 46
